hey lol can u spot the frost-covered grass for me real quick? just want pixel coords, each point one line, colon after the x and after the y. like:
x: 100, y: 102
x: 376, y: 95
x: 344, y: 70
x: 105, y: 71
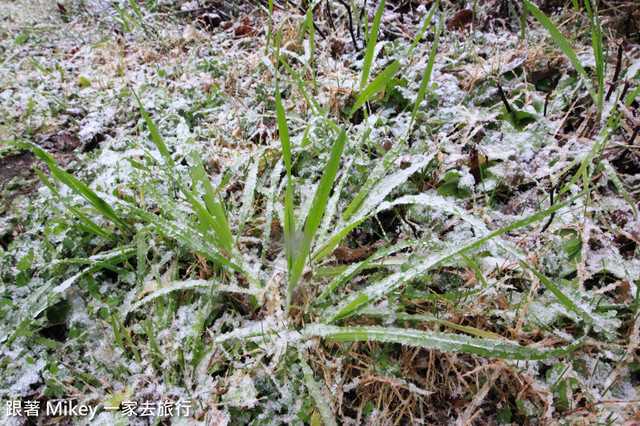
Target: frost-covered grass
x: 235, y: 206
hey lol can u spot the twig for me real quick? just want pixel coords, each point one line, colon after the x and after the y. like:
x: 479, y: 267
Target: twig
x: 329, y: 17
x: 624, y: 90
x: 353, y: 37
x: 551, y: 191
x: 552, y: 87
x: 364, y: 8
x: 503, y: 97
x: 587, y: 407
x: 616, y: 74
x: 315, y: 26
x: 633, y: 136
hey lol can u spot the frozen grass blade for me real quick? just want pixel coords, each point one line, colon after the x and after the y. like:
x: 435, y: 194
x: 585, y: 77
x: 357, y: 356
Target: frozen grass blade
x: 426, y: 77
x: 184, y: 234
x: 371, y: 45
x: 248, y: 196
x: 368, y: 201
x: 90, y: 225
x: 81, y: 189
x: 608, y: 129
x: 352, y: 270
x: 596, y: 40
x: 435, y: 340
x: 425, y: 25
x: 214, y: 215
x: 49, y: 293
x: 378, y: 84
x: 186, y: 285
x: 332, y: 205
x: 317, y: 211
x: 362, y: 298
x: 377, y: 186
x: 564, y: 45
x: 268, y: 216
x: 289, y: 215
x: 613, y: 175
x: 155, y: 135
x: 322, y: 402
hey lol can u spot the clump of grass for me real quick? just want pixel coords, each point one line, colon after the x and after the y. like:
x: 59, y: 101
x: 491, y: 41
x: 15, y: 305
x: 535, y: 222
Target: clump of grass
x: 322, y: 277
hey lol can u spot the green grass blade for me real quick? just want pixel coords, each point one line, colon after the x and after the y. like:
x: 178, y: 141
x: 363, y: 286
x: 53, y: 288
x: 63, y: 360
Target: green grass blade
x: 613, y: 176
x: 185, y: 285
x: 248, y: 196
x: 215, y: 214
x: 335, y: 239
x: 289, y: 215
x: 46, y: 181
x: 391, y: 316
x: 155, y: 135
x: 426, y: 77
x: 81, y: 189
x: 378, y: 187
x: 311, y: 101
x: 49, y: 293
x: 632, y: 97
x: 564, y: 45
x: 185, y: 233
x: 424, y: 27
x: 371, y: 45
x: 290, y: 239
x: 317, y: 210
x: 283, y: 131
x: 312, y: 47
x: 368, y: 200
x: 602, y: 140
x: 444, y: 342
x: 596, y: 41
x: 90, y: 226
x: 379, y: 83
x: 271, y: 197
x: 332, y: 205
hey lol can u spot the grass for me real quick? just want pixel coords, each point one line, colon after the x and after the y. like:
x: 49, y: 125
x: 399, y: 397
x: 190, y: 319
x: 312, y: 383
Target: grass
x: 597, y: 95
x: 305, y: 234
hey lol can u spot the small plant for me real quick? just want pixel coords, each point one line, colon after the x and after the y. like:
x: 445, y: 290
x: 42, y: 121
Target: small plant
x: 597, y: 94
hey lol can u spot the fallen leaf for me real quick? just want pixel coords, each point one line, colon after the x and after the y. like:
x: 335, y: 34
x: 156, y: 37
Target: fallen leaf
x: 460, y: 19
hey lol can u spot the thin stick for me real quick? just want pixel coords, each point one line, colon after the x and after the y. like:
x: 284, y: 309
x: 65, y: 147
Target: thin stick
x: 616, y: 74
x: 353, y: 37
